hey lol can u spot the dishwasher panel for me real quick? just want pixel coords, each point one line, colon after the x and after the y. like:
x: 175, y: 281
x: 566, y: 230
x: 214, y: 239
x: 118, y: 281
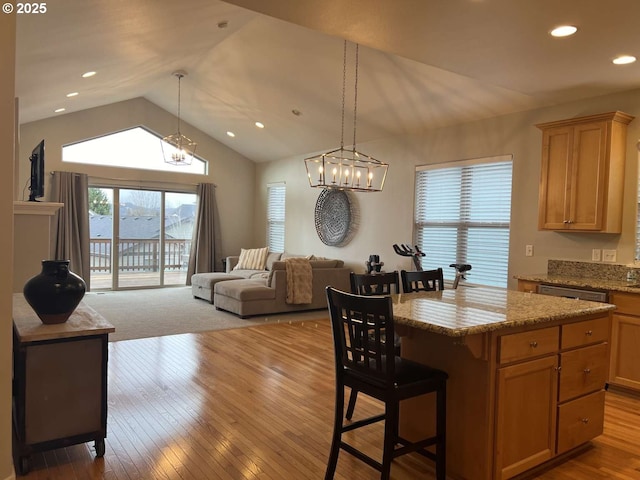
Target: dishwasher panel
x: 557, y: 291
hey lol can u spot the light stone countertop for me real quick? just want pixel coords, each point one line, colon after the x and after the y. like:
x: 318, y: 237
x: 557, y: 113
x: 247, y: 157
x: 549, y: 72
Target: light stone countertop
x: 84, y: 321
x: 472, y: 310
x: 594, y: 283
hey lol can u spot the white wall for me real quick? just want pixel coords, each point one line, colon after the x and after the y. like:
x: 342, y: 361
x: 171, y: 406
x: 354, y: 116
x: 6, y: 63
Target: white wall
x: 233, y: 174
x: 386, y: 218
x: 7, y: 136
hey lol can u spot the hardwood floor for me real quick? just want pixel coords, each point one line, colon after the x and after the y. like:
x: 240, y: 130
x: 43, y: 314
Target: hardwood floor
x: 257, y: 403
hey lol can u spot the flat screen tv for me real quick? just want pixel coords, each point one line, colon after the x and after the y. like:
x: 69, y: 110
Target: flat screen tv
x: 36, y: 187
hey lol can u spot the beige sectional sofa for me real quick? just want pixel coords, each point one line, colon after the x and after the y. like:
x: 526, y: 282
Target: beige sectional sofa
x: 261, y: 292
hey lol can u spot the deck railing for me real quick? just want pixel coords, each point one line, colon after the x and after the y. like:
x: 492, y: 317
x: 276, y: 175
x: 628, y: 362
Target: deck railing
x: 139, y: 255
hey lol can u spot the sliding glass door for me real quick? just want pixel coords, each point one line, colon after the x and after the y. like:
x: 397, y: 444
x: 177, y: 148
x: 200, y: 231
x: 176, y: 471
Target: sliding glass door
x: 144, y: 242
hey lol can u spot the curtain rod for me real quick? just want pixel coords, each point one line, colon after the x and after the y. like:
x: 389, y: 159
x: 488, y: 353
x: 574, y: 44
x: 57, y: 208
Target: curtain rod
x: 96, y: 179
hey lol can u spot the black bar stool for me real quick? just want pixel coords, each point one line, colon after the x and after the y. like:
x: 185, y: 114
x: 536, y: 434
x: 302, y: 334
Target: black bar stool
x: 366, y: 363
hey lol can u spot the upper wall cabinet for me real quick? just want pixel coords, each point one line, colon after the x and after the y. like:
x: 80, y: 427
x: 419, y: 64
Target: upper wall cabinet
x: 582, y: 177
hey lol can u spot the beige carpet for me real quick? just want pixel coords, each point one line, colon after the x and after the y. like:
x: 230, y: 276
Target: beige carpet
x: 171, y: 311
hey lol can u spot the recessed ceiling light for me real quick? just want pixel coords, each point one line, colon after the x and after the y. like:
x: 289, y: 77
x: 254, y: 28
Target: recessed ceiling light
x: 259, y: 124
x: 72, y: 94
x: 88, y: 74
x: 564, y: 31
x: 231, y: 134
x: 58, y: 110
x: 624, y: 59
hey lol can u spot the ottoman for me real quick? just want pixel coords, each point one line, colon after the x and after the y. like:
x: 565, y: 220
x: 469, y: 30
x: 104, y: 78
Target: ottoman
x: 202, y: 283
x: 245, y: 297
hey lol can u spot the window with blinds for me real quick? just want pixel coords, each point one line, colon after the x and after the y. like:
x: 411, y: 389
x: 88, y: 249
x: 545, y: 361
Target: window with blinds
x: 462, y: 215
x: 275, y: 216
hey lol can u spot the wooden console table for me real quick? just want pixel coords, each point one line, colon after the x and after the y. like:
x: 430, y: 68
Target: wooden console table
x: 59, y: 381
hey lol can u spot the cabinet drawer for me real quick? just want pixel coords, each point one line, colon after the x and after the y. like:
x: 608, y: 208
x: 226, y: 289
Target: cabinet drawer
x: 533, y: 343
x: 626, y: 302
x: 580, y: 420
x: 584, y: 333
x: 583, y: 371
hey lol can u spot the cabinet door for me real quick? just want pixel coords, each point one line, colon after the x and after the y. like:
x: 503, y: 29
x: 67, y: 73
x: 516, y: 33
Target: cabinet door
x: 625, y: 354
x: 527, y: 286
x: 588, y: 174
x: 526, y: 415
x: 557, y: 146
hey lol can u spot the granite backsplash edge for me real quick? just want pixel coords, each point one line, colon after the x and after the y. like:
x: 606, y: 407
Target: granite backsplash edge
x: 604, y: 271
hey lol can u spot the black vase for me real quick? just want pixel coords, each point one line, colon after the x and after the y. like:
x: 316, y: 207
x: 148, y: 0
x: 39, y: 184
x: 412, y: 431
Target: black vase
x: 55, y: 292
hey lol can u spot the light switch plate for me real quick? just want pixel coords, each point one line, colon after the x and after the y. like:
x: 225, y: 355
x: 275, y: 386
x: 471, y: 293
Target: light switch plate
x: 596, y: 255
x: 528, y: 250
x: 609, y: 255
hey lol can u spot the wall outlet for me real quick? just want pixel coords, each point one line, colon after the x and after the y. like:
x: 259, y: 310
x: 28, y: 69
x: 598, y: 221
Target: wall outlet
x: 609, y: 255
x: 528, y: 250
x: 596, y: 255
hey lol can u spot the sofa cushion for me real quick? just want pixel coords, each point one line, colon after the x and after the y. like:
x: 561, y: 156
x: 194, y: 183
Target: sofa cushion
x: 250, y: 273
x: 245, y: 290
x: 324, y: 263
x: 252, y: 259
x: 286, y: 255
x: 207, y: 280
x: 272, y: 257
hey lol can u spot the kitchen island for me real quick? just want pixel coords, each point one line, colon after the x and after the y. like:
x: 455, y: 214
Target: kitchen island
x: 526, y: 375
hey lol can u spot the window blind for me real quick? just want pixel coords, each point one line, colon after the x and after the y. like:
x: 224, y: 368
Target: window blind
x: 275, y: 216
x: 462, y: 215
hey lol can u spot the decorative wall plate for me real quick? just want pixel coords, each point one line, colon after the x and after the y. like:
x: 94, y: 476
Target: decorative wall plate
x: 333, y: 217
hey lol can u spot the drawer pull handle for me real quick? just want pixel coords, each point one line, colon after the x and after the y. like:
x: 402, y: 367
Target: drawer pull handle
x: 588, y: 333
x: 533, y: 344
x: 587, y: 371
x: 585, y: 420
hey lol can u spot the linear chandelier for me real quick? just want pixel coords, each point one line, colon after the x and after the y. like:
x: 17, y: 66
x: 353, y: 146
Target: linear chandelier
x: 176, y: 148
x: 342, y: 168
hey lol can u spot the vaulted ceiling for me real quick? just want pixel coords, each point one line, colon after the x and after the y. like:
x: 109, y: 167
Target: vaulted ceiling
x: 422, y: 63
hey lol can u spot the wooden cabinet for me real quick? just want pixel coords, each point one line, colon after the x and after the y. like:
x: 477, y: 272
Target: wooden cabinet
x: 625, y: 341
x: 60, y: 381
x: 582, y: 174
x: 528, y: 286
x: 550, y: 392
x: 506, y: 414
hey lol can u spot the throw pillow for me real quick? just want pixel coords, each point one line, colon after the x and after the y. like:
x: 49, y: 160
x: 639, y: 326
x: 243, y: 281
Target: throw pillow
x: 272, y: 257
x: 252, y: 259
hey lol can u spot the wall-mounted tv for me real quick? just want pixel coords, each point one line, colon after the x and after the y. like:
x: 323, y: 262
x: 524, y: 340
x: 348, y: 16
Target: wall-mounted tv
x: 36, y: 187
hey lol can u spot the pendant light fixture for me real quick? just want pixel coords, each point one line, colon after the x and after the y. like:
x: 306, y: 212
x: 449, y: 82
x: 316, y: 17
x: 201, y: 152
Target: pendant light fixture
x: 176, y: 148
x: 342, y: 168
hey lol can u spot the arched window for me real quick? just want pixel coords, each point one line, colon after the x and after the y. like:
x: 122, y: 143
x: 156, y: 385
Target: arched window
x: 133, y: 148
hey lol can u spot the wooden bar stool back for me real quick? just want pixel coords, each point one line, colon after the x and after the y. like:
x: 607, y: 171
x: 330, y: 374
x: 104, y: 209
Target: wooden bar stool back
x: 385, y: 283
x: 422, y: 281
x: 363, y: 361
x: 377, y: 284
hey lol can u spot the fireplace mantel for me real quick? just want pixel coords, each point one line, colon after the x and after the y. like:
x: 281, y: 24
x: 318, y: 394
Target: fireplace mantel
x: 36, y: 208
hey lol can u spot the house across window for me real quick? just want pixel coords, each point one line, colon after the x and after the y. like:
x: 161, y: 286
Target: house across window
x: 275, y: 216
x: 133, y: 148
x: 462, y: 215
